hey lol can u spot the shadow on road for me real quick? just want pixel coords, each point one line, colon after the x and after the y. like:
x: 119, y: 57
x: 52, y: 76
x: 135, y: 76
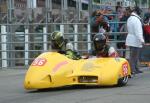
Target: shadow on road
x: 76, y: 87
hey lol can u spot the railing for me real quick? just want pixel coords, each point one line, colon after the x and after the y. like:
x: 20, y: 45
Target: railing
x: 18, y: 49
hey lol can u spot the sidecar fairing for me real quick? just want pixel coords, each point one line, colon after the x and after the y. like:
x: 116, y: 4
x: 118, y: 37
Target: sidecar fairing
x: 52, y: 69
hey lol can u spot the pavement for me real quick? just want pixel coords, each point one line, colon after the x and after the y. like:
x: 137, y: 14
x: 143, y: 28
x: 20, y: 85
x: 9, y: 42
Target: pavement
x: 7, y: 72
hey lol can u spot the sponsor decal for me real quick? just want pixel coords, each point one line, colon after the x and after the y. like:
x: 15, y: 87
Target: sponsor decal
x: 59, y: 65
x: 39, y: 62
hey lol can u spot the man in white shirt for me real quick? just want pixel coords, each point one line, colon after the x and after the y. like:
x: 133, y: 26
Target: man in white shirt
x: 135, y: 38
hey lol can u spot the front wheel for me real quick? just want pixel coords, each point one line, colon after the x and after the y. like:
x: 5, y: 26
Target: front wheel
x: 123, y: 81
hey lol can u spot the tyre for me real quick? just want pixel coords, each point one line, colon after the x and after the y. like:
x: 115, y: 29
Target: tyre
x: 123, y: 81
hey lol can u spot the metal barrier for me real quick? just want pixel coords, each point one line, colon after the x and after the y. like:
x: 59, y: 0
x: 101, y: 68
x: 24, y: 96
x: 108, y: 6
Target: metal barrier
x: 18, y: 49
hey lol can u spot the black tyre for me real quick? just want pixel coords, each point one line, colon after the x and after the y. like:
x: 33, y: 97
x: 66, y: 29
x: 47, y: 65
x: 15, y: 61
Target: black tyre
x: 123, y: 81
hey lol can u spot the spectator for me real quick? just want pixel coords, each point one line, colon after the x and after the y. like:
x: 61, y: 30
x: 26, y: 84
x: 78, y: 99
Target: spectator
x: 147, y: 16
x: 147, y: 26
x: 119, y: 11
x: 126, y: 15
x: 109, y: 16
x: 134, y: 38
x: 98, y: 23
x: 122, y: 28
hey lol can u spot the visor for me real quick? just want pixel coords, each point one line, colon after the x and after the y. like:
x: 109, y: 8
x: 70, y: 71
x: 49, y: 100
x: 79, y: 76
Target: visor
x: 99, y: 45
x: 59, y: 42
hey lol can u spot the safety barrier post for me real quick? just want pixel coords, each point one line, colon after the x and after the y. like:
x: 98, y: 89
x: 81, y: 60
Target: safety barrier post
x: 75, y: 36
x: 89, y: 37
x: 62, y: 28
x: 4, y: 46
x: 26, y: 47
x: 45, y: 38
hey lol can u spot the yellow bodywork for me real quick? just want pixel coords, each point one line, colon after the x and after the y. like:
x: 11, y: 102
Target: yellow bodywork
x: 52, y: 69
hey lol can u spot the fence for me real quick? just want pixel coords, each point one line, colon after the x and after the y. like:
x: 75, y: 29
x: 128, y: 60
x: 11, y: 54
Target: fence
x: 21, y: 43
x: 18, y: 49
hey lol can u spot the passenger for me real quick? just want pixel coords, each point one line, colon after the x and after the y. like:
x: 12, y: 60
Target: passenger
x: 102, y: 49
x: 61, y: 45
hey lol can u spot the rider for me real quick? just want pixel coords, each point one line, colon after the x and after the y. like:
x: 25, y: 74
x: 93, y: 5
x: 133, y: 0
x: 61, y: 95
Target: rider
x: 61, y: 45
x: 102, y: 49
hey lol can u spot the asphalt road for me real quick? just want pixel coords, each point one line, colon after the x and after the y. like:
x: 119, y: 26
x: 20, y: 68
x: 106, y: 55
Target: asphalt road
x: 12, y: 91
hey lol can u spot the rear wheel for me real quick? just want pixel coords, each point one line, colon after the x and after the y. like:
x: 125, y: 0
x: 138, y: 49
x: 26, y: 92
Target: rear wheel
x: 123, y: 81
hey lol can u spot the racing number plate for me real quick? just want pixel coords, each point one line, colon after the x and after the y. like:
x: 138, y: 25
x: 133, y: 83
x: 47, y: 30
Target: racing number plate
x: 39, y: 62
x: 125, y: 69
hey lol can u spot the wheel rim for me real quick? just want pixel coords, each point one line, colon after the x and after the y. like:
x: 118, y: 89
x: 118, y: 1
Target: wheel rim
x: 125, y: 79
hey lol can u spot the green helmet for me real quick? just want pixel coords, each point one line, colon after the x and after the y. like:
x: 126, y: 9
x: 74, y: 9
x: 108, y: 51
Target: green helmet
x: 57, y: 39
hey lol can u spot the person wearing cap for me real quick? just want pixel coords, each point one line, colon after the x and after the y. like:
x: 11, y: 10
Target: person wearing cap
x: 134, y: 39
x: 98, y: 23
x: 108, y: 10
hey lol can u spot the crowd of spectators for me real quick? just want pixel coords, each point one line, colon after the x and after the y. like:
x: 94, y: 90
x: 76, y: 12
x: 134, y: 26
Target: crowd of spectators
x: 114, y: 21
